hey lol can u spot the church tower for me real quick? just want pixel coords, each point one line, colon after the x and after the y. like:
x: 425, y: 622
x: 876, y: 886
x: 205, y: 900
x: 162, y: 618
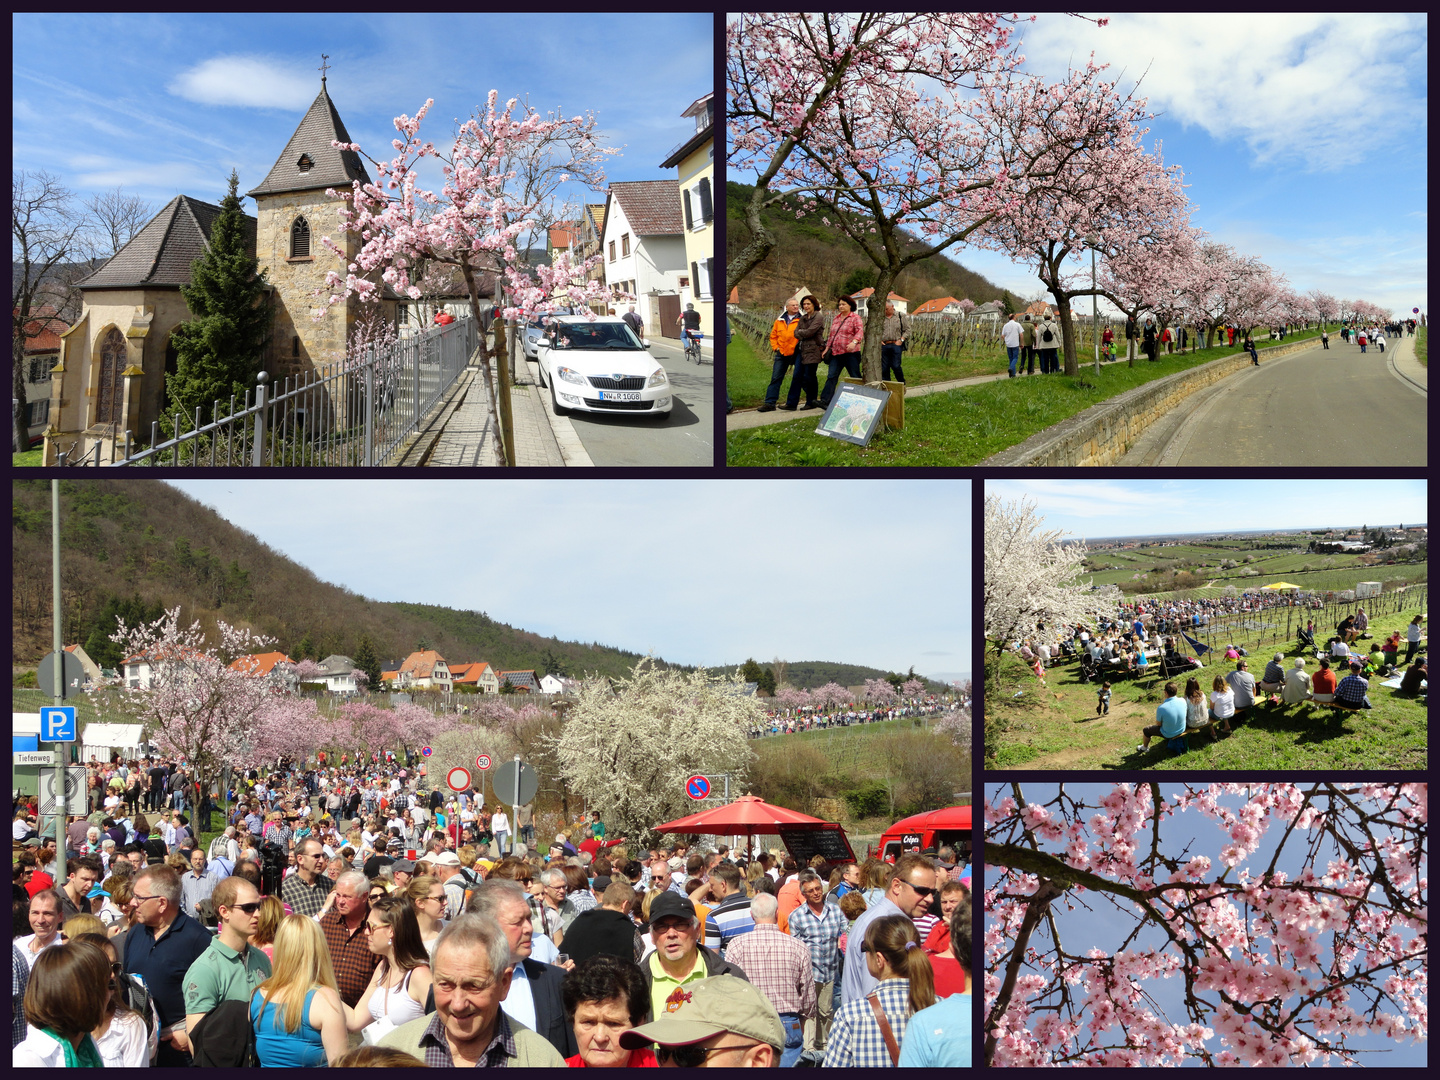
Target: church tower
x: 293, y: 213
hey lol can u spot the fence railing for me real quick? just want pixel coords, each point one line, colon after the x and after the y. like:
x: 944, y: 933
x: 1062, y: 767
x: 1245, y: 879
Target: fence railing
x: 348, y: 413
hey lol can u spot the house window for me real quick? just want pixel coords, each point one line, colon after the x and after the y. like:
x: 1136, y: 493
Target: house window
x: 612, y: 250
x: 110, y: 396
x: 709, y: 267
x: 701, y: 272
x: 40, y: 369
x: 625, y: 243
x: 39, y: 411
x: 300, y: 239
x: 295, y: 348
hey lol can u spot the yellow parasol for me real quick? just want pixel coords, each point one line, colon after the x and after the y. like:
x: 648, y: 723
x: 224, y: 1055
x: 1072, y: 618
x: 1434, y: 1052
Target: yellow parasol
x: 1280, y: 585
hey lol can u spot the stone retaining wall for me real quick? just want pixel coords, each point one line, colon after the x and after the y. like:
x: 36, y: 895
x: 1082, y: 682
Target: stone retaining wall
x: 1104, y: 432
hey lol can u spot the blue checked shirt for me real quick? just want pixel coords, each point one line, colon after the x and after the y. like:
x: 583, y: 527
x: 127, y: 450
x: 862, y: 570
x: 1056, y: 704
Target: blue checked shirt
x: 855, y: 1039
x: 1351, y: 690
x: 821, y: 935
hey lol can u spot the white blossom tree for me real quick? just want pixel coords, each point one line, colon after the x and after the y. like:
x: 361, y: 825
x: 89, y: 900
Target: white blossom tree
x: 1031, y: 577
x: 628, y: 750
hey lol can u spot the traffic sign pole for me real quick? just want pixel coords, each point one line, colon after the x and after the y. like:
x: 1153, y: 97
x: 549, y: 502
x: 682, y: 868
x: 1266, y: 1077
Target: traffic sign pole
x: 59, y: 678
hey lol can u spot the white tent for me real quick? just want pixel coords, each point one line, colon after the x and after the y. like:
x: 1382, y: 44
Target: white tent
x: 98, y: 740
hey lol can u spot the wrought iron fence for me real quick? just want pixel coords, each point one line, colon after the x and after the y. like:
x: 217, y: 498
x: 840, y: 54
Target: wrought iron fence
x: 349, y: 413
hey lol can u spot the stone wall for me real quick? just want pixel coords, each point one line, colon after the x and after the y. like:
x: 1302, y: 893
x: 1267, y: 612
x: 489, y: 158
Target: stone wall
x: 1103, y: 433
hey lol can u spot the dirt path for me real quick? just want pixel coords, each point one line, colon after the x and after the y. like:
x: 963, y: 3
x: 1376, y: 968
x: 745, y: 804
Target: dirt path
x: 1122, y: 724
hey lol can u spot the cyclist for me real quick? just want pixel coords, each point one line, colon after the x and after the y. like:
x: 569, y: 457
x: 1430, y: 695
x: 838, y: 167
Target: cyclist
x: 690, y: 320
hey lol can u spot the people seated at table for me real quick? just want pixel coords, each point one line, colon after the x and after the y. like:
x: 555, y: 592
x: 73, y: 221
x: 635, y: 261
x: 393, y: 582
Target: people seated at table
x: 1297, y: 683
x: 1322, y: 686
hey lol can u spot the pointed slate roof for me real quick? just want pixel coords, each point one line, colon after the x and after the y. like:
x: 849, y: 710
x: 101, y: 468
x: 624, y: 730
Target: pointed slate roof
x: 160, y: 254
x: 331, y: 167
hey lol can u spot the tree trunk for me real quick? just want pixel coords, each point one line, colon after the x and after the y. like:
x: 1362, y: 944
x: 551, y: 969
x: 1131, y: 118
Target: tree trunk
x: 1067, y: 333
x: 875, y: 325
x: 762, y: 242
x: 469, y: 275
x: 17, y: 390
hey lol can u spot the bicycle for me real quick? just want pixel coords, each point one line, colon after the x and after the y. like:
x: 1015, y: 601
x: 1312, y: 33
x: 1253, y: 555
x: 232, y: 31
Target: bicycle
x: 692, y: 346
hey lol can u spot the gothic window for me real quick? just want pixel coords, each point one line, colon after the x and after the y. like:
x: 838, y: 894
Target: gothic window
x: 300, y: 239
x: 111, y: 397
x: 305, y: 163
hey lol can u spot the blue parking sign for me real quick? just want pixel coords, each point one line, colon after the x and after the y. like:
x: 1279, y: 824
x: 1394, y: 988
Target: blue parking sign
x: 57, y: 723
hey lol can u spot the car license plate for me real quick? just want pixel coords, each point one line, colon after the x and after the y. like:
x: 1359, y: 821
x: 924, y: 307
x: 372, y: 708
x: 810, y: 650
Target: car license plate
x: 619, y: 395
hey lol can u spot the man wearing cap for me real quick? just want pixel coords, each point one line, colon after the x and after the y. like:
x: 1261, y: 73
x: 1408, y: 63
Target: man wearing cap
x: 678, y: 958
x: 781, y: 969
x: 447, y: 872
x: 912, y: 882
x: 720, y: 1022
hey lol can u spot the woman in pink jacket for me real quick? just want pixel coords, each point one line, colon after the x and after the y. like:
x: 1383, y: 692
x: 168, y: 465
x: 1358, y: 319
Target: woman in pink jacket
x: 847, y: 335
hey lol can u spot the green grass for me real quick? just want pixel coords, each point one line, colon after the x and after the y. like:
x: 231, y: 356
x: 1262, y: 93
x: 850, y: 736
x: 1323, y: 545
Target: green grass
x: 858, y: 750
x: 1420, y: 346
x: 747, y: 375
x: 1054, y: 726
x: 957, y: 427
x: 29, y: 459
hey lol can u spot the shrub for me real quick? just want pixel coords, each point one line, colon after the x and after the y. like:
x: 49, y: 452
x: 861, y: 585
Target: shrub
x: 872, y: 800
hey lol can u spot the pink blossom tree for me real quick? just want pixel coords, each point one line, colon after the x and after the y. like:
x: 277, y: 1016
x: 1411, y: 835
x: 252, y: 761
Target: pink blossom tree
x: 912, y: 688
x: 1237, y: 924
x: 290, y: 726
x: 1326, y: 306
x: 196, y: 707
x: 879, y: 692
x: 832, y: 694
x: 788, y: 697
x: 502, y: 175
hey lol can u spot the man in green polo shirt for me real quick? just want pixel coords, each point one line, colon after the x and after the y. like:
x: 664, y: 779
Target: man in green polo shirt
x: 678, y: 958
x: 231, y: 967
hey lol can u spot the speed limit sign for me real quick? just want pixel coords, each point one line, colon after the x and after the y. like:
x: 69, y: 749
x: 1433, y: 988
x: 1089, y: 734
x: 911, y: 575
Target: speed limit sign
x: 483, y: 762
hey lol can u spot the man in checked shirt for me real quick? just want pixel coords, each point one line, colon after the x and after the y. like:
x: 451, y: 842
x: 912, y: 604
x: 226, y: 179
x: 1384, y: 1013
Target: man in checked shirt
x: 779, y: 967
x: 819, y: 925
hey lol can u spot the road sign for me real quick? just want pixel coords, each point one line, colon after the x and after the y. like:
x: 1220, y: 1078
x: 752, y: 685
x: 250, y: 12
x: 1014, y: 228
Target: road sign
x: 458, y: 778
x: 697, y: 787
x: 73, y: 674
x: 425, y: 751
x: 57, y: 723
x: 35, y: 757
x: 483, y: 762
x: 511, y: 774
x: 73, y: 796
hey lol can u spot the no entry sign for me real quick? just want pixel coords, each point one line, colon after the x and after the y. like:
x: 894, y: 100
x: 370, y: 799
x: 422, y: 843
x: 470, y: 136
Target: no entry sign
x: 697, y: 787
x: 483, y: 762
x: 458, y: 778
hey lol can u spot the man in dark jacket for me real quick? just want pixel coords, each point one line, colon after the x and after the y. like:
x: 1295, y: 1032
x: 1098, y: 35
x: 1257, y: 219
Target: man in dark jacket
x: 678, y: 958
x: 606, y: 929
x: 160, y: 947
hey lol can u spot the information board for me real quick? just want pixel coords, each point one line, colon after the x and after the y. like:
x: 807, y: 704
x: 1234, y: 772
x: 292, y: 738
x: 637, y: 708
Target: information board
x: 829, y: 841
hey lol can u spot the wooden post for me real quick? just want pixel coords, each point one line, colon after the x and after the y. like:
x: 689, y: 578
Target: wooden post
x: 506, y: 433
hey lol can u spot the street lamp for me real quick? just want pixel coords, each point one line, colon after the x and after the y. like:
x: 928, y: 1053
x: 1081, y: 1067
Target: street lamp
x: 1094, y: 306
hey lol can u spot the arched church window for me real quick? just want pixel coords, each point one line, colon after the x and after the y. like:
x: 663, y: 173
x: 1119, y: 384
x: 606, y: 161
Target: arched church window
x: 111, y: 398
x: 305, y: 163
x: 300, y: 239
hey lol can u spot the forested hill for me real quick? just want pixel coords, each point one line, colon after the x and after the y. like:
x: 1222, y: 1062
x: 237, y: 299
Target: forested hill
x: 136, y: 547
x: 810, y: 674
x: 828, y: 262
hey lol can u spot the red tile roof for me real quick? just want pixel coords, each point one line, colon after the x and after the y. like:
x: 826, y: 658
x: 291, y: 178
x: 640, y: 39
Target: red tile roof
x: 469, y: 674
x: 421, y: 665
x: 931, y: 307
x: 261, y: 663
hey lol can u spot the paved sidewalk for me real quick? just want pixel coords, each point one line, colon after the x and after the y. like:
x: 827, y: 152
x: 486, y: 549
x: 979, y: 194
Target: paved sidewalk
x: 1401, y: 354
x: 467, y: 440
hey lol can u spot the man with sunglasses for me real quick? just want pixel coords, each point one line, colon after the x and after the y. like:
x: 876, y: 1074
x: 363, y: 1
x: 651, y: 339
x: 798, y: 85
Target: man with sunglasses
x: 717, y: 1023
x: 913, y: 881
x: 306, y: 889
x: 678, y: 958
x: 231, y: 967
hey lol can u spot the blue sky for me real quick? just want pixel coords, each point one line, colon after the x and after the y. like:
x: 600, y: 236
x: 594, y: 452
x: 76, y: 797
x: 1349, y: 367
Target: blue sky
x: 701, y: 572
x: 1098, y: 923
x: 1105, y: 508
x: 168, y: 104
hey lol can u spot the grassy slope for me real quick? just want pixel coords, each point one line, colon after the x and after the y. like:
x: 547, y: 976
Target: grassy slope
x: 1054, y: 726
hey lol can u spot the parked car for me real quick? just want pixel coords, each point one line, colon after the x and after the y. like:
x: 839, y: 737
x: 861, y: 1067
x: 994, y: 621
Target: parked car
x: 599, y: 365
x: 535, y: 330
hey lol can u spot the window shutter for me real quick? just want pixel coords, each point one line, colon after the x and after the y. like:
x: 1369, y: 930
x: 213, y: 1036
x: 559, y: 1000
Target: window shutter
x: 685, y: 199
x: 707, y: 210
x: 710, y: 277
x: 300, y: 239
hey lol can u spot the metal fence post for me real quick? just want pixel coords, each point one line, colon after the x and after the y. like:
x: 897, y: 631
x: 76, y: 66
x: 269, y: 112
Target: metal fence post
x: 415, y: 404
x: 258, y: 457
x: 369, y: 409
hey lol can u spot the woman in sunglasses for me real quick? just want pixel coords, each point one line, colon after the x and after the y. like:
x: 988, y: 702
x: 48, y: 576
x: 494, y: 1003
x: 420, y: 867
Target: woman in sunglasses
x: 124, y: 1037
x: 397, y: 991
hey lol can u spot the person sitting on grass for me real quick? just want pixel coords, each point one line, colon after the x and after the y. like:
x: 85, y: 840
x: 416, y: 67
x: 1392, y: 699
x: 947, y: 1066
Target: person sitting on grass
x: 1338, y: 649
x: 1351, y: 692
x: 1274, y: 679
x: 1232, y: 653
x: 1392, y: 648
x: 1103, y: 704
x: 1222, y: 703
x: 1196, y: 715
x: 1322, y: 686
x: 1169, y: 718
x: 1414, y: 676
x: 1297, y: 683
x: 1243, y: 684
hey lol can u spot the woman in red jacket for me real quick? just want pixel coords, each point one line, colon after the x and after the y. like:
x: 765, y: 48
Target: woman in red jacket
x: 847, y: 335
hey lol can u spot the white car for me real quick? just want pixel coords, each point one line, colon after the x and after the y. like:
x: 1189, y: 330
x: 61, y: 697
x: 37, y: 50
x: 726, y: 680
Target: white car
x: 535, y: 330
x: 599, y: 365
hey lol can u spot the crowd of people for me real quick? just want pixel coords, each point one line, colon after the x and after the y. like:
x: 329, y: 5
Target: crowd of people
x: 809, y: 718
x: 351, y: 917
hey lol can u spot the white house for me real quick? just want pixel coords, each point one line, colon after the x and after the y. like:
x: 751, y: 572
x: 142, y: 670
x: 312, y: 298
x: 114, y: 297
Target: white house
x: 862, y: 301
x: 428, y: 669
x: 644, y: 247
x: 558, y: 684
x: 335, y: 673
x: 990, y: 312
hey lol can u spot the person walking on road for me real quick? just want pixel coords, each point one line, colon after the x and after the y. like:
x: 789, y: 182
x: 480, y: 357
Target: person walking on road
x: 635, y: 322
x: 808, y: 332
x: 1149, y: 341
x: 1012, y: 335
x: 1047, y: 340
x: 782, y: 352
x: 1325, y: 339
x: 1380, y: 340
x: 1362, y: 341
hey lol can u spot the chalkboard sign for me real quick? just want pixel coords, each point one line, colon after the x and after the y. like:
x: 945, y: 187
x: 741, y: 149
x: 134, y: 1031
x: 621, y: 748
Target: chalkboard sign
x: 830, y: 842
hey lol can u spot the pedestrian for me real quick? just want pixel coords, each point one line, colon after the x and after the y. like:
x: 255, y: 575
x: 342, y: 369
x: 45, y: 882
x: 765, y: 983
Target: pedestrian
x: 297, y: 1014
x: 160, y: 947
x: 1102, y: 705
x: 1131, y: 333
x: 347, y: 934
x: 1325, y: 339
x: 1168, y: 336
x: 228, y: 970
x: 1047, y: 338
x: 868, y: 1030
x: 941, y: 1034
x: 1380, y: 341
x: 1012, y: 335
x: 635, y: 322
x: 892, y: 343
x: 782, y: 352
x: 398, y: 989
x: 842, y: 346
x: 1149, y: 341
x: 909, y: 885
x: 779, y: 967
x: 808, y: 332
x: 819, y: 925
x: 500, y: 826
x: 1027, y: 345
x: 1107, y: 344
x: 65, y: 1000
x: 1362, y: 339
x: 1414, y: 634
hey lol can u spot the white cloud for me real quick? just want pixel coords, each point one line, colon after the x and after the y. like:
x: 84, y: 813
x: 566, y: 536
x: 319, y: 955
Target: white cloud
x: 254, y: 81
x: 1317, y: 87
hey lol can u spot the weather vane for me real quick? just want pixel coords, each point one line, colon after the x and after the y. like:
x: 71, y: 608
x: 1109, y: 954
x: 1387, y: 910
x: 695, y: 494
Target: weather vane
x: 324, y: 67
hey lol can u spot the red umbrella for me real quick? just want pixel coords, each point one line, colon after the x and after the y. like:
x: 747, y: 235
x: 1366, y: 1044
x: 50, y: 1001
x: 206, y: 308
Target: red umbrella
x: 747, y: 814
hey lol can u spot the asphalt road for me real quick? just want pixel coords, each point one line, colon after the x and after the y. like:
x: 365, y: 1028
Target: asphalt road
x: 1312, y: 408
x: 685, y: 437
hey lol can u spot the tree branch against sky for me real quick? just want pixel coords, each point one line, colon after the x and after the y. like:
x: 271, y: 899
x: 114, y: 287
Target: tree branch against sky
x: 1237, y: 924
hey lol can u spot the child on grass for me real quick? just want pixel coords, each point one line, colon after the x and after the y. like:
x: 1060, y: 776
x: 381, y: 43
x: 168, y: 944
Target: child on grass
x: 1103, y: 704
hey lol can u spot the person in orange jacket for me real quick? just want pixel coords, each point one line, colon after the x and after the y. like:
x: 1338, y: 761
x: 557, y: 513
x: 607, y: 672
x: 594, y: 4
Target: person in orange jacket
x: 782, y: 352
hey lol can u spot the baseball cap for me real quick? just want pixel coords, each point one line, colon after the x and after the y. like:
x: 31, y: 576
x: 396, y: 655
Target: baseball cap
x: 695, y: 1012
x: 94, y: 892
x: 676, y: 863
x: 405, y: 866
x: 671, y: 904
x: 447, y: 858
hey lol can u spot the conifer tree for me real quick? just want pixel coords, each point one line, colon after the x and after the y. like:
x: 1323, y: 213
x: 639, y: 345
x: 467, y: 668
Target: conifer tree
x: 367, y: 661
x: 220, y: 349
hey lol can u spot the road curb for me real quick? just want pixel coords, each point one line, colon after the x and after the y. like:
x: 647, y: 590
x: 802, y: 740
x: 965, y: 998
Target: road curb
x: 572, y: 450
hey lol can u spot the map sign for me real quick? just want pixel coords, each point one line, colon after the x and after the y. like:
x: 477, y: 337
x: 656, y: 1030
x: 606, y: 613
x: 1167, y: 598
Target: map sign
x: 854, y: 413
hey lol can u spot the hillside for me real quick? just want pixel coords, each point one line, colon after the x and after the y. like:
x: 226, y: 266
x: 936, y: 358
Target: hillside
x: 810, y: 674
x: 822, y: 258
x: 133, y: 546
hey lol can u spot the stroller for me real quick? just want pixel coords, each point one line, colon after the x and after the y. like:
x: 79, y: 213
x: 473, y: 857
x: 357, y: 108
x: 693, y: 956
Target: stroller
x: 1307, y: 639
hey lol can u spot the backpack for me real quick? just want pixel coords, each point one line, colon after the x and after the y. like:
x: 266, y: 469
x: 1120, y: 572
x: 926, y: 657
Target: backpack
x: 137, y: 997
x: 225, y: 1037
x: 1047, y: 336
